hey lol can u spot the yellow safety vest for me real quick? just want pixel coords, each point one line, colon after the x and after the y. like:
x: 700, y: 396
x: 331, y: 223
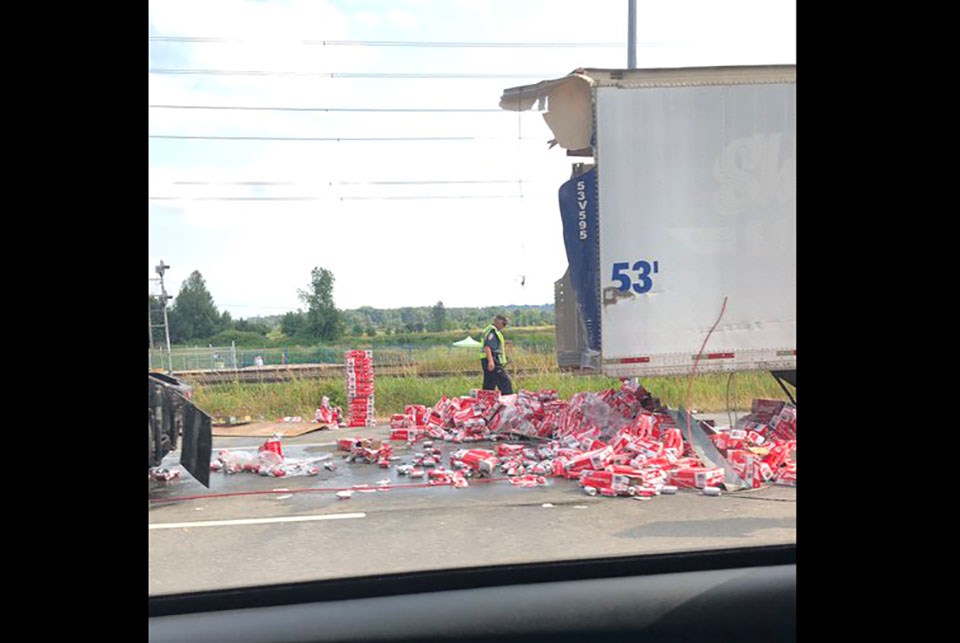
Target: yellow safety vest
x: 503, y: 346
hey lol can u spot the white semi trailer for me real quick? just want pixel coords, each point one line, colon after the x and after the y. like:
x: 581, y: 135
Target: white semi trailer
x: 681, y: 211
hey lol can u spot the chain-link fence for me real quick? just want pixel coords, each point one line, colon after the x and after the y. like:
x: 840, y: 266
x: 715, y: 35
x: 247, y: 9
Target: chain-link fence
x: 408, y: 359
x: 233, y: 358
x: 195, y: 359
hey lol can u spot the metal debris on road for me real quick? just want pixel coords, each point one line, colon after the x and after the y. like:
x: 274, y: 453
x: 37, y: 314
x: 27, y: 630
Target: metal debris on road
x: 164, y: 474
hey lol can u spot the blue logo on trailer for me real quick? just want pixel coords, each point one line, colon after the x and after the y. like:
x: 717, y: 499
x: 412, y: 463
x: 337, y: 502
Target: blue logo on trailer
x: 581, y: 238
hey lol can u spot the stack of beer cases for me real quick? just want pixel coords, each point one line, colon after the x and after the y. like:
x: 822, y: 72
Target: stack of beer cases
x: 360, y: 388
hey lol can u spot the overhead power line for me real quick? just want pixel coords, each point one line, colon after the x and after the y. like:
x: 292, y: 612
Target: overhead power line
x: 341, y: 139
x: 417, y: 198
x: 333, y: 198
x: 404, y: 43
x: 331, y: 183
x: 458, y: 182
x: 336, y: 74
x: 239, y: 198
x: 327, y: 109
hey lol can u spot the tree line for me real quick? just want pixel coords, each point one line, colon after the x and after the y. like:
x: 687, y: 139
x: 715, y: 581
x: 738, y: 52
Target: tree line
x: 438, y: 318
x: 194, y: 317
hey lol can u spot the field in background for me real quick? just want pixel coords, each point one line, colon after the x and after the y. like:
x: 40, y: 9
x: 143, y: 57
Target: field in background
x: 407, y: 354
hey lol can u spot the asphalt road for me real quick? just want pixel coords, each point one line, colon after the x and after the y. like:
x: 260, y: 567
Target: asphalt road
x: 250, y: 530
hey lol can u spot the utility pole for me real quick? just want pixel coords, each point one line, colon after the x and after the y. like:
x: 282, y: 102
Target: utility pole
x: 631, y: 34
x: 164, y: 297
x: 153, y: 310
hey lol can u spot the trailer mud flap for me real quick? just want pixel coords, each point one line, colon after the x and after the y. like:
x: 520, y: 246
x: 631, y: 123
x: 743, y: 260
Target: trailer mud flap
x: 705, y: 449
x: 196, y: 443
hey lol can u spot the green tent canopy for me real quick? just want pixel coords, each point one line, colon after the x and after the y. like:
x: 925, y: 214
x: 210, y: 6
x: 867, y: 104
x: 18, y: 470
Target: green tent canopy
x: 468, y: 342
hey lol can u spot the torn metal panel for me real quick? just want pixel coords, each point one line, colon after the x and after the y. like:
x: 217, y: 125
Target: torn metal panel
x: 706, y: 450
x: 570, y: 115
x: 197, y: 444
x: 172, y: 415
x: 569, y: 102
x: 520, y: 99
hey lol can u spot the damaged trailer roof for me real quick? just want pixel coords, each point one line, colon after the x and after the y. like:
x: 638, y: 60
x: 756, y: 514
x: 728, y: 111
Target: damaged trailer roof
x: 567, y: 102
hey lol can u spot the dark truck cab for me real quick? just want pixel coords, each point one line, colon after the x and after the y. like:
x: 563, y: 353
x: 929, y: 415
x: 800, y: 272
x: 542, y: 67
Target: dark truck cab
x: 171, y: 415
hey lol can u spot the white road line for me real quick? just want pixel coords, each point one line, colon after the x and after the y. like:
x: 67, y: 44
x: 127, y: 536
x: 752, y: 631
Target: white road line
x: 253, y: 521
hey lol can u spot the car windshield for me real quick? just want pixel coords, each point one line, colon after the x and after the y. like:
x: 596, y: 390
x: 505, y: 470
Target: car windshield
x: 443, y: 284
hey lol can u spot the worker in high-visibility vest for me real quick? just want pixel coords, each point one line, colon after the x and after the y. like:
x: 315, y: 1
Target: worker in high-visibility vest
x: 494, y: 357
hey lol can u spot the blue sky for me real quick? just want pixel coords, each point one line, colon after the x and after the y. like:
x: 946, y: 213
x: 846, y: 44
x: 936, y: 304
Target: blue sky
x: 369, y: 222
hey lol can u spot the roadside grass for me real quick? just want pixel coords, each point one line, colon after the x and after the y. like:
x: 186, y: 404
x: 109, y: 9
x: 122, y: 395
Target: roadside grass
x: 710, y: 393
x: 466, y: 361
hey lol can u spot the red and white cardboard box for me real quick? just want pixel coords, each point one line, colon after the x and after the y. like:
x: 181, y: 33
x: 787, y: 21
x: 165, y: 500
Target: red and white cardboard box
x: 559, y: 466
x: 708, y: 478
x: 738, y: 456
x: 788, y: 413
x: 642, y: 427
x: 766, y: 472
x: 736, y: 445
x: 696, y: 477
x: 672, y: 438
x: 596, y: 479
x: 408, y: 434
x: 509, y: 449
x: 684, y: 478
x: 623, y: 443
x: 755, y: 438
x: 626, y: 470
x: 592, y: 444
x: 665, y: 461
x: 348, y: 444
x: 474, y: 457
x: 787, y: 475
x: 418, y: 411
x: 589, y: 460
x: 777, y: 456
x: 488, y: 396
x: 766, y: 406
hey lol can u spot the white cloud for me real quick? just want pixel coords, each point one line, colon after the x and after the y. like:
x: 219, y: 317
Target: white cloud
x: 368, y: 18
x: 403, y: 19
x: 473, y: 5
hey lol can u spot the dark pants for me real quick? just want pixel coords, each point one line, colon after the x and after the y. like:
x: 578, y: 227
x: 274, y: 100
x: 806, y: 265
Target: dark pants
x: 498, y: 378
